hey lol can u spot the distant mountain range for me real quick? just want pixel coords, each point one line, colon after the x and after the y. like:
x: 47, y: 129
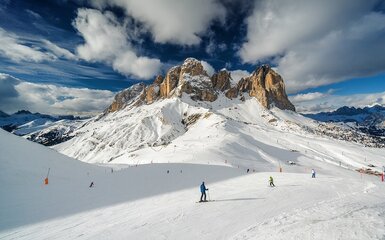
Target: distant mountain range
x: 24, y: 122
x: 370, y: 120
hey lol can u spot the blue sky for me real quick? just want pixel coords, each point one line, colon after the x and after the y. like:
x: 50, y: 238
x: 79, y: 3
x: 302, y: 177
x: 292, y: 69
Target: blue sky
x: 324, y: 50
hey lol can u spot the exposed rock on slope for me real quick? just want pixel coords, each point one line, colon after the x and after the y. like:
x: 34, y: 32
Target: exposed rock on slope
x: 268, y: 87
x: 126, y: 97
x: 221, y: 80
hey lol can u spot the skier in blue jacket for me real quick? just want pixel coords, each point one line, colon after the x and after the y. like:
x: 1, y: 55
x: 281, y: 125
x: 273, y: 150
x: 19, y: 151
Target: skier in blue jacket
x: 203, y: 191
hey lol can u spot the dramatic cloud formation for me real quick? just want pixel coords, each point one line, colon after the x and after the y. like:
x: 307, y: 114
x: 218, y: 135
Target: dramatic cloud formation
x: 324, y: 102
x: 17, y: 49
x: 13, y: 48
x: 107, y: 40
x: 16, y: 94
x: 171, y: 21
x: 316, y: 43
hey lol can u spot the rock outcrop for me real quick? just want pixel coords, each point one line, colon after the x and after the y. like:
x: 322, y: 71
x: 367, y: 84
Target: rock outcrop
x: 267, y: 86
x: 190, y: 78
x: 221, y: 80
x: 170, y: 82
x: 126, y: 97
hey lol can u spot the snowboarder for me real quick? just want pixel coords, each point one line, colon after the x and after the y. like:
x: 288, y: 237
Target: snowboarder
x: 203, y: 191
x: 92, y: 184
x: 247, y: 170
x: 271, y: 181
x: 312, y: 173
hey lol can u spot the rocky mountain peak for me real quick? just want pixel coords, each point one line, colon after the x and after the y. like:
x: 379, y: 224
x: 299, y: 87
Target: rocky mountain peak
x: 268, y: 87
x: 193, y: 67
x: 190, y: 78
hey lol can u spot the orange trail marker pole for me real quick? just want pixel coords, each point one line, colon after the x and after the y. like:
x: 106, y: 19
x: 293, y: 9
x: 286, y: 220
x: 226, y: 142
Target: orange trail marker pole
x: 46, y: 178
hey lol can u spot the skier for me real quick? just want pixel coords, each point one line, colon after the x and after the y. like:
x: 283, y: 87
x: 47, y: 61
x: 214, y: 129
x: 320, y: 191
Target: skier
x: 203, y: 191
x: 271, y: 181
x: 312, y: 173
x: 92, y: 184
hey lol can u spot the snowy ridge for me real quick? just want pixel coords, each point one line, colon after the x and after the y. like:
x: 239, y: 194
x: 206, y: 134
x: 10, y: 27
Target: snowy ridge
x: 24, y: 122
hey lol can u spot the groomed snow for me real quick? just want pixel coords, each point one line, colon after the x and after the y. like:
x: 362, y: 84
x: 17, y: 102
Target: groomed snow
x: 146, y: 202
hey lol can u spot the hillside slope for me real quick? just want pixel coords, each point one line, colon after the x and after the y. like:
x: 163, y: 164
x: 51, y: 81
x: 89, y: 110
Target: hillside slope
x: 224, y: 132
x: 146, y: 202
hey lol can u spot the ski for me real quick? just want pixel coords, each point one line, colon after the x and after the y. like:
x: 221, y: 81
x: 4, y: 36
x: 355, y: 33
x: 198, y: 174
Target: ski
x: 205, y: 201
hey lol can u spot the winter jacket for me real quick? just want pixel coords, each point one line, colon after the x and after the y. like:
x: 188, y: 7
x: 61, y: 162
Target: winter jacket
x: 203, y: 188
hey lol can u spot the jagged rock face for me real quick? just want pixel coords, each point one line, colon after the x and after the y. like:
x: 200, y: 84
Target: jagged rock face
x: 244, y: 85
x: 152, y: 93
x: 257, y: 86
x: 192, y: 67
x: 126, y: 97
x: 170, y: 82
x: 194, y: 81
x: 264, y: 84
x: 267, y: 86
x: 158, y: 80
x: 232, y: 93
x: 221, y: 80
x: 276, y: 92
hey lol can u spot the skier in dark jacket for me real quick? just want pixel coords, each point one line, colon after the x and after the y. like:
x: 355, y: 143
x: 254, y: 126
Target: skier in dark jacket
x: 203, y: 191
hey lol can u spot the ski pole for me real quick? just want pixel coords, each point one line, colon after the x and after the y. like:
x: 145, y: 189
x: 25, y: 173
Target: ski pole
x: 48, y: 172
x: 208, y: 193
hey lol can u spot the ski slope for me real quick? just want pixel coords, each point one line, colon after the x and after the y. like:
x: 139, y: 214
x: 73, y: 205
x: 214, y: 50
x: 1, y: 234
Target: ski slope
x: 225, y: 132
x: 146, y: 202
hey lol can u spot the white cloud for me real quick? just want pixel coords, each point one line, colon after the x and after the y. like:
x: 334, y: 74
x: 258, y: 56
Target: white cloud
x: 171, y: 21
x: 307, y: 97
x: 210, y: 48
x: 320, y: 102
x: 30, y: 49
x: 58, y: 51
x: 107, y: 40
x: 208, y: 68
x: 316, y: 43
x: 14, y: 49
x: 236, y: 75
x: 50, y: 99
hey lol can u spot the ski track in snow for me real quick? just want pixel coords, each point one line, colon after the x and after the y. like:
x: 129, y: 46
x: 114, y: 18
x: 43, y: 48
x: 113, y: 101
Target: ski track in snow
x: 344, y: 217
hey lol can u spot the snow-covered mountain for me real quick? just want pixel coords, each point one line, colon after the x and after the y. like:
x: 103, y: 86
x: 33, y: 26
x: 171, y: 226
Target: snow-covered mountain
x: 24, y: 122
x: 370, y: 120
x: 186, y: 116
